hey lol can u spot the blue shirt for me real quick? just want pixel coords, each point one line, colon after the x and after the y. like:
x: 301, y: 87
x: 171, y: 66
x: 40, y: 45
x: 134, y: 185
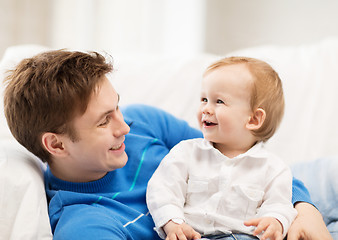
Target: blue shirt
x: 114, y: 207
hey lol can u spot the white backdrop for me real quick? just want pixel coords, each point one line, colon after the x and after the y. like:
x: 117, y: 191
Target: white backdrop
x: 178, y: 27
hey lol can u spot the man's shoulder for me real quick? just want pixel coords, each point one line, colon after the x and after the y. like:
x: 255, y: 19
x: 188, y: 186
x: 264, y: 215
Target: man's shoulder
x: 107, y: 219
x: 150, y: 117
x: 137, y: 109
x: 142, y: 113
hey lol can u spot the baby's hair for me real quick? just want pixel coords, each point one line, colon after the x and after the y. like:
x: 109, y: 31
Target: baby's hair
x: 267, y: 92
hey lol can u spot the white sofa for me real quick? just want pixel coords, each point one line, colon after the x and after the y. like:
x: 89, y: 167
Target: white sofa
x: 309, y: 129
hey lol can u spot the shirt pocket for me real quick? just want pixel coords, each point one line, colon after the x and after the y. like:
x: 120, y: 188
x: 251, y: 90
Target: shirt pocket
x: 243, y: 201
x: 197, y: 185
x: 197, y: 190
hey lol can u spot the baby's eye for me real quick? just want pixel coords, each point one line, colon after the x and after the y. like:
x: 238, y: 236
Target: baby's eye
x: 204, y: 99
x: 219, y: 101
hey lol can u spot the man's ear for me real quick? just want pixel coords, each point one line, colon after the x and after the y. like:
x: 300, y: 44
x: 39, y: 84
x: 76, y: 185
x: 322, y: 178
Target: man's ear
x: 53, y: 144
x: 256, y: 120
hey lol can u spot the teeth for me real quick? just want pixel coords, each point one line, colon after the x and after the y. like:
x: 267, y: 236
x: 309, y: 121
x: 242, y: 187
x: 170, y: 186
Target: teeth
x: 116, y: 147
x: 209, y: 123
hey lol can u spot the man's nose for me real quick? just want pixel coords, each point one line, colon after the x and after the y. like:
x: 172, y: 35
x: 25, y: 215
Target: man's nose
x: 120, y: 127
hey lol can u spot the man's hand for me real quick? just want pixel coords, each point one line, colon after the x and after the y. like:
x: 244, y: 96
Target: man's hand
x: 308, y: 225
x: 182, y: 231
x: 268, y: 227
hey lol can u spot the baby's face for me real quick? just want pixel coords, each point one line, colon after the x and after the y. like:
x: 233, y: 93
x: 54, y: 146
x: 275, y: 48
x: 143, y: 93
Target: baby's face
x: 225, y: 104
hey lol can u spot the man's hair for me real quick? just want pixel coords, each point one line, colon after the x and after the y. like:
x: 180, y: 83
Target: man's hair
x: 267, y: 92
x: 44, y: 94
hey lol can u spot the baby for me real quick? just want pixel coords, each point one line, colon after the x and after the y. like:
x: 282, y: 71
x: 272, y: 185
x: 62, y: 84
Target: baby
x: 227, y: 185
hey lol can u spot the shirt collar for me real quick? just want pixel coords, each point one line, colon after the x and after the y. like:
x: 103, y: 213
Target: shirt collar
x: 256, y: 151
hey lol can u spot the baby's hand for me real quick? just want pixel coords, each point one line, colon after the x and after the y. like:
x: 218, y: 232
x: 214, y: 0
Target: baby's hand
x: 269, y: 227
x: 182, y: 231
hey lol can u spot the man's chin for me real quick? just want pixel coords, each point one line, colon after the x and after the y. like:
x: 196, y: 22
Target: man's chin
x: 120, y: 162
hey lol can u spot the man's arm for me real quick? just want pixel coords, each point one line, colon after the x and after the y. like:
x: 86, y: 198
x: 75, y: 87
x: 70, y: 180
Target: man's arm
x: 300, y: 192
x: 163, y: 125
x: 309, y: 224
x: 88, y: 223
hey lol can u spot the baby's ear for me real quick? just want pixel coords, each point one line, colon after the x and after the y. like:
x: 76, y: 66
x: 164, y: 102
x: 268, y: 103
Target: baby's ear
x: 256, y: 120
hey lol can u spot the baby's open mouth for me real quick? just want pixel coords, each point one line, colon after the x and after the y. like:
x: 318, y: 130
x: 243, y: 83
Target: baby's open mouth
x: 207, y: 123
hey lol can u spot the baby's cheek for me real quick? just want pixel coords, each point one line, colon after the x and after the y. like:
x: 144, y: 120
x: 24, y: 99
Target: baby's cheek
x: 199, y: 117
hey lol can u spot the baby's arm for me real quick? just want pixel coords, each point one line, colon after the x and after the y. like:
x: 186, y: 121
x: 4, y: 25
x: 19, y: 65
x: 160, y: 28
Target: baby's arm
x: 268, y: 227
x: 166, y: 193
x: 182, y: 231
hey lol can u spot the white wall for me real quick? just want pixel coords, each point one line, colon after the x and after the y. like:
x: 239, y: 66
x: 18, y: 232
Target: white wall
x: 236, y: 24
x: 129, y: 26
x: 23, y: 22
x: 166, y: 26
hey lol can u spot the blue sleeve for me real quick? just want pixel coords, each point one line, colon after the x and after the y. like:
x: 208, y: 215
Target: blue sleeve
x: 164, y: 125
x: 320, y: 178
x: 87, y: 223
x: 300, y: 192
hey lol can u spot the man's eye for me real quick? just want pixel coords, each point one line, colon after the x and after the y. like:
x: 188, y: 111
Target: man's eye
x: 219, y: 101
x: 106, y: 121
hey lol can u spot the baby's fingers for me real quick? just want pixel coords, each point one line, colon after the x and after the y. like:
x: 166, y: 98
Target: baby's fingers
x: 262, y: 226
x: 252, y: 222
x: 181, y: 236
x: 266, y: 228
x: 196, y: 235
x: 176, y: 236
x: 259, y: 223
x: 271, y: 233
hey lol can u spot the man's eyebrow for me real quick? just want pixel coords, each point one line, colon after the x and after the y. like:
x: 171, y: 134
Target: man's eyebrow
x: 104, y: 114
x: 109, y: 111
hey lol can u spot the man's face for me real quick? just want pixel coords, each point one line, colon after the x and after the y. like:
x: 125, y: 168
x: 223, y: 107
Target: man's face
x: 100, y: 132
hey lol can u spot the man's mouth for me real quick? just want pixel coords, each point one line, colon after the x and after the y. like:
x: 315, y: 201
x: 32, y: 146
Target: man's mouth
x: 116, y: 147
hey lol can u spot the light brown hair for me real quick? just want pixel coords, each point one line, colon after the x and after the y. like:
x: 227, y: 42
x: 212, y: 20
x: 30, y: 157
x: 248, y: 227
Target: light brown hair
x: 44, y: 94
x: 267, y: 92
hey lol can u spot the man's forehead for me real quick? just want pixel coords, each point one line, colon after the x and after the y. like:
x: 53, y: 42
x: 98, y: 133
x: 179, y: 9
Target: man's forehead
x: 103, y: 100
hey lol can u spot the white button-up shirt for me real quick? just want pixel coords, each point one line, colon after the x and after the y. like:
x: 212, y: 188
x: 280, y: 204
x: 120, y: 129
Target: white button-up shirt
x: 214, y: 193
